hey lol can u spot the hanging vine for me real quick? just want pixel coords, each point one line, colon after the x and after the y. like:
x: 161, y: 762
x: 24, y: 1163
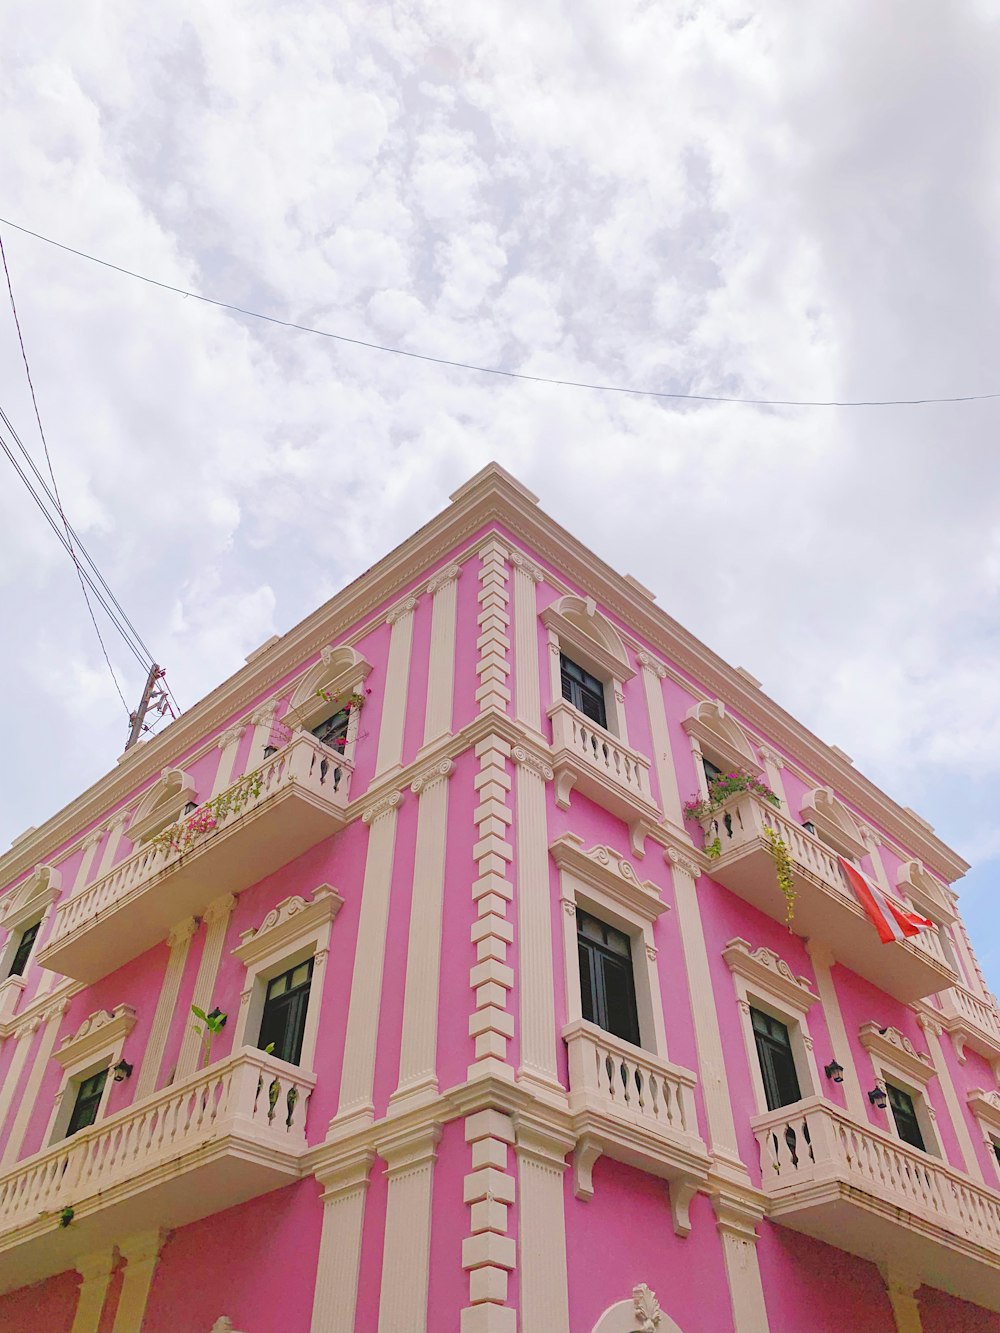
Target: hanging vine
x: 784, y: 870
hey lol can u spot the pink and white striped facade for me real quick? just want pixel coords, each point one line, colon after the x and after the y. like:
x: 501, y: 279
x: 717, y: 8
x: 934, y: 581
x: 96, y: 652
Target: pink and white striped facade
x: 458, y: 1149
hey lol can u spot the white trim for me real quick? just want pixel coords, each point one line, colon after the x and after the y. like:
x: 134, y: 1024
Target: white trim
x: 179, y: 943
x: 335, y: 1293
x: 567, y: 637
x: 141, y: 1253
x: 31, y: 901
x: 715, y: 734
x: 542, y: 1272
x: 95, y: 1270
x: 443, y: 590
x: 895, y: 1060
x: 641, y: 1312
x: 932, y: 1030
x: 97, y: 1044
x: 407, y: 1234
x: 764, y: 981
x: 292, y: 932
x: 843, y: 1052
x: 653, y: 675
x: 985, y: 1106
x: 395, y: 692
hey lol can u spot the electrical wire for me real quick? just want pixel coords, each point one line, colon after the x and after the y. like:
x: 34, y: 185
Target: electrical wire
x: 495, y: 370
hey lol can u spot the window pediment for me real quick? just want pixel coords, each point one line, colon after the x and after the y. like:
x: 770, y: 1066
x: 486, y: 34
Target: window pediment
x: 925, y: 892
x: 339, y: 672
x: 985, y: 1106
x: 722, y: 740
x: 162, y: 804
x: 287, y: 924
x: 593, y: 639
x: 31, y: 897
x: 833, y: 822
x: 890, y: 1046
x: 767, y: 971
x: 605, y: 869
x: 99, y: 1031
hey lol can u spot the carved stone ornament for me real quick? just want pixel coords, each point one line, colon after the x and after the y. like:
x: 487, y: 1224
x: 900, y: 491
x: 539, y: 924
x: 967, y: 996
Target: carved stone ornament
x: 682, y: 862
x: 443, y: 768
x: 98, y: 1033
x: 568, y: 906
x: 892, y: 1046
x: 768, y: 971
x: 401, y: 609
x: 382, y: 806
x: 522, y: 563
x: 647, y: 1309
x: 769, y: 756
x: 293, y: 919
x: 607, y: 870
x: 442, y: 578
x: 521, y: 755
x: 651, y: 664
x: 231, y: 736
x: 263, y: 714
x: 223, y: 1325
x: 41, y: 886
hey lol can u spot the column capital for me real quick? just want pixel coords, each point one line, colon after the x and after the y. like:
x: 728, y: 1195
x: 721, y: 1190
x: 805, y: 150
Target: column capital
x: 524, y: 566
x: 231, y: 736
x: 436, y: 772
x: 442, y: 578
x: 533, y: 761
x: 382, y: 805
x: 181, y: 932
x: 409, y: 1149
x: 401, y: 609
x: 650, y: 664
x: 219, y: 908
x: 686, y: 864
x: 769, y: 756
x: 143, y: 1246
x: 95, y: 1267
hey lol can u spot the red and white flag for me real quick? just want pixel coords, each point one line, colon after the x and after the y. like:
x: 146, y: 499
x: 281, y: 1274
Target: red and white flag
x: 891, y: 922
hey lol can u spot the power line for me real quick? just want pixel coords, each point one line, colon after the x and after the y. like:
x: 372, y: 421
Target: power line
x: 495, y: 370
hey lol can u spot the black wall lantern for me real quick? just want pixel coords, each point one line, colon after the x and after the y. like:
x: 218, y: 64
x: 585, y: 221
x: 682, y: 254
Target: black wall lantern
x: 217, y: 1014
x: 834, y: 1072
x: 877, y: 1097
x: 122, y: 1070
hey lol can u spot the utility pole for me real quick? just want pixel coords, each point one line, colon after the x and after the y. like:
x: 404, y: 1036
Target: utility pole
x: 155, y: 699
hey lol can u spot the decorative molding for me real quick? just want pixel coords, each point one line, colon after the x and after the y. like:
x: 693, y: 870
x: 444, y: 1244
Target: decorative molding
x: 769, y: 756
x: 686, y: 864
x: 38, y: 891
x: 526, y: 567
x: 161, y: 804
x: 604, y: 868
x: 436, y: 772
x: 533, y: 760
x: 99, y: 1031
x: 833, y: 820
x: 892, y: 1046
x: 929, y: 1023
x: 763, y: 967
x: 443, y: 578
x: 181, y: 932
x: 382, y: 805
x: 263, y: 714
x: 647, y: 1309
x: 219, y: 909
x: 985, y: 1106
x: 576, y: 622
x: 401, y: 609
x: 716, y: 732
x: 651, y: 664
x: 231, y: 736
x: 287, y: 922
x: 924, y: 891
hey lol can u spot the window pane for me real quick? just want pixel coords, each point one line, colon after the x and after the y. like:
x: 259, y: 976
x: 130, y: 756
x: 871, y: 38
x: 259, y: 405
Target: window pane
x: 24, y: 946
x: 777, y: 1064
x: 621, y: 1017
x: 607, y: 982
x: 712, y: 771
x: 583, y: 691
x: 586, y: 982
x: 333, y: 729
x: 905, y: 1116
x: 283, y: 1021
x: 88, y: 1099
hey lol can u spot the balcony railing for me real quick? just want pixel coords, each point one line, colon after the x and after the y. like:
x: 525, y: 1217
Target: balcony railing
x: 588, y: 758
x: 825, y: 906
x: 294, y: 800
x: 222, y: 1136
x: 860, y: 1189
x: 972, y: 1022
x: 634, y: 1107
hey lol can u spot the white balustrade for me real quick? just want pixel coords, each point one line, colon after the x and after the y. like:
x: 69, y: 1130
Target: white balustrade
x: 812, y: 1140
x: 979, y: 1014
x: 250, y: 1095
x: 615, y: 1076
x: 607, y: 756
x: 304, y: 761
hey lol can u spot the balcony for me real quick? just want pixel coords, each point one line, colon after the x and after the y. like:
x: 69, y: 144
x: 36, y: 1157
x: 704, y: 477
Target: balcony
x: 860, y: 1189
x: 637, y: 1109
x: 825, y: 907
x: 589, y: 759
x: 972, y: 1022
x: 291, y: 802
x: 218, y: 1138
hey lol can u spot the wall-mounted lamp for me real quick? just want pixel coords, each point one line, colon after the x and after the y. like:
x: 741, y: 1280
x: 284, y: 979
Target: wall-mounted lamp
x: 877, y: 1097
x: 218, y: 1016
x: 122, y: 1070
x: 834, y: 1072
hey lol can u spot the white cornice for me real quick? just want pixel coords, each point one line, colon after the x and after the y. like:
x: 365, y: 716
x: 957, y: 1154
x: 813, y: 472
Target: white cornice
x: 765, y: 968
x: 98, y: 1032
x: 604, y: 868
x: 892, y: 1046
x: 490, y: 498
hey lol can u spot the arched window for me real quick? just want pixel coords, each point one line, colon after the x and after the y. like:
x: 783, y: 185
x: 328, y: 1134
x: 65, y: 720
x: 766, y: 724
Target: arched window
x: 320, y: 701
x: 589, y: 664
x: 719, y: 744
x: 162, y: 804
x: 832, y: 822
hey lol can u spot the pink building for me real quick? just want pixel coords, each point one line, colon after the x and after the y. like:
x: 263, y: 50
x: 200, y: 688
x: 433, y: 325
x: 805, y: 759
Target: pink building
x: 508, y: 1042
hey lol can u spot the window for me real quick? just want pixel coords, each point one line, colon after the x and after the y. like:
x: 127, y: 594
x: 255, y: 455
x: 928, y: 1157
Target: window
x: 583, y: 691
x: 712, y: 771
x: 88, y: 1099
x: 333, y: 731
x: 996, y: 1150
x: 283, y: 1020
x: 23, y: 950
x: 607, y: 982
x: 777, y: 1063
x: 905, y: 1116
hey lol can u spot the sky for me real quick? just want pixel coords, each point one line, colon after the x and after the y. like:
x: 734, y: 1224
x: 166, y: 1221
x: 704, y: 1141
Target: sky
x: 784, y: 202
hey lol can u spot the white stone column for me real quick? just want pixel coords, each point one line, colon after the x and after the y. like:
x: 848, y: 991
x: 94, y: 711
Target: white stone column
x: 443, y: 589
x: 397, y: 686
x: 335, y: 1296
x: 736, y: 1225
x: 25, y: 1038
x: 932, y: 1034
x: 356, y: 1108
x: 29, y: 1098
x: 542, y: 1228
x: 140, y: 1253
x: 902, y: 1288
x: 179, y: 941
x: 773, y: 764
x: 406, y: 1253
x: 822, y: 960
x: 418, y: 1041
x: 534, y: 924
x: 708, y: 1038
x: 527, y: 687
x: 95, y: 1269
x: 216, y: 919
x: 228, y: 743
x: 116, y: 828
x: 90, y: 845
x: 653, y: 675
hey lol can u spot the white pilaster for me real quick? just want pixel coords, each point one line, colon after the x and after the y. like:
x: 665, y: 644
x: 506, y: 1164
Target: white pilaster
x: 25, y: 1039
x: 822, y: 960
x: 262, y: 719
x: 527, y: 690
x: 216, y: 919
x: 932, y: 1035
x: 534, y: 921
x: 873, y: 843
x: 228, y: 743
x: 443, y: 589
x: 653, y: 675
x: 902, y: 1288
x: 406, y: 1253
x: 52, y: 1019
x: 95, y: 1269
x: 773, y: 764
x: 397, y: 681
x: 110, y: 854
x: 335, y: 1295
x: 179, y: 941
x: 736, y: 1226
x: 542, y: 1229
x: 356, y: 1107
x: 83, y: 875
x: 140, y: 1253
x: 418, y: 1041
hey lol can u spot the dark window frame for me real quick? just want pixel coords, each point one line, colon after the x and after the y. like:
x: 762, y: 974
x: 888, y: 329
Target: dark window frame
x: 775, y: 1059
x: 87, y: 1102
x: 332, y: 729
x: 25, y: 944
x: 607, y: 978
x: 903, y: 1109
x: 585, y: 692
x: 283, y: 1016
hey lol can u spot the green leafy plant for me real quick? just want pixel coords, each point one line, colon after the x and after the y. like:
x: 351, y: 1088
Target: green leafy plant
x: 209, y: 1026
x: 721, y: 788
x: 67, y: 1215
x: 182, y: 835
x: 784, y: 870
x: 713, y: 849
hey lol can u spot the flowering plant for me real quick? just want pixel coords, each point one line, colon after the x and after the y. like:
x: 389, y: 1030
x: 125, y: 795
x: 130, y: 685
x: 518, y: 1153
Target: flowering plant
x: 721, y: 788
x: 179, y: 837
